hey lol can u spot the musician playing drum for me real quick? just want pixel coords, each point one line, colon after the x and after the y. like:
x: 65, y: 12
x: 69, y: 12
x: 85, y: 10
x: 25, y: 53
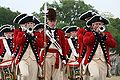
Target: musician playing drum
x: 73, y: 50
x: 98, y: 42
x: 6, y: 50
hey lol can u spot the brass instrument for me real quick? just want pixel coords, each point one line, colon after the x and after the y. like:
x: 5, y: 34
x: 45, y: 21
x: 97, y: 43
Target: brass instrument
x: 30, y: 30
x: 102, y: 28
x: 27, y: 30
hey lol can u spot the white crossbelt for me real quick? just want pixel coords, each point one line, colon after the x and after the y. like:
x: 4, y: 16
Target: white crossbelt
x: 72, y: 47
x: 6, y: 47
x: 54, y: 42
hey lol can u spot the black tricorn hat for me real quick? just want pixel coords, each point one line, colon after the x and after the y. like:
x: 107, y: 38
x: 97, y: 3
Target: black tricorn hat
x: 65, y: 28
x: 97, y: 18
x: 29, y: 19
x: 87, y: 15
x: 7, y: 28
x: 51, y: 15
x: 38, y: 26
x: 70, y: 29
x: 20, y: 16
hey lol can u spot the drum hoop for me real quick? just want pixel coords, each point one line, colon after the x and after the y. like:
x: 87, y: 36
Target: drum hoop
x: 5, y: 65
x: 69, y: 63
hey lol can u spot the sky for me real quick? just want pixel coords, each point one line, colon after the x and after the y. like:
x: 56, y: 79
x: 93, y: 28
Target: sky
x: 30, y: 6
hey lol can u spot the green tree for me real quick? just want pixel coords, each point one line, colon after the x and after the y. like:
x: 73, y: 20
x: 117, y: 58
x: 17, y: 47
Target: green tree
x: 114, y: 28
x: 68, y: 11
x: 7, y: 16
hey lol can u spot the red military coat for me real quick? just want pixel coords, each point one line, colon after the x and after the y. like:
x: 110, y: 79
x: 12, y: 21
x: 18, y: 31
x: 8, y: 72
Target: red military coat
x: 23, y: 40
x: 2, y: 48
x: 60, y: 37
x: 80, y: 33
x: 91, y: 40
x: 14, y: 38
x: 77, y: 46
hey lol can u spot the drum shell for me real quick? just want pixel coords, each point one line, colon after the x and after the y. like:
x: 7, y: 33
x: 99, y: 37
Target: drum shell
x: 5, y: 70
x: 73, y: 71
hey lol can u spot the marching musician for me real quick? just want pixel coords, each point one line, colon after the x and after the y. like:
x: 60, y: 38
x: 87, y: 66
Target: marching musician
x: 16, y: 30
x: 55, y: 51
x: 6, y: 50
x: 28, y: 54
x: 98, y: 42
x: 7, y: 41
x: 67, y: 34
x: 73, y: 50
x: 81, y: 31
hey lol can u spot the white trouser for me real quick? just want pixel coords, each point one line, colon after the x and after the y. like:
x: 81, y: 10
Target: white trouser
x: 97, y: 70
x: 28, y: 69
x: 50, y: 70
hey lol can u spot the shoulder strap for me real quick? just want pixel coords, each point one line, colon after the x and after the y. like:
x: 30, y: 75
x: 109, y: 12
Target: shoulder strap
x: 72, y: 47
x: 56, y: 44
x: 7, y: 47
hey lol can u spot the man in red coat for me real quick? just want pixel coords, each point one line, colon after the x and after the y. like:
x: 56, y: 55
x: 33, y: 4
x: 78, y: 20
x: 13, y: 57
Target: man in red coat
x: 53, y: 55
x: 28, y: 54
x: 7, y: 40
x: 98, y: 42
x: 16, y: 30
x: 81, y: 31
x: 6, y: 49
x: 73, y: 50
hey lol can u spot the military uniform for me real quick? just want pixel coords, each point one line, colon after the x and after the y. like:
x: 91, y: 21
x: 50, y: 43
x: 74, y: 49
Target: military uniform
x: 28, y: 54
x: 7, y: 42
x: 2, y: 48
x: 16, y: 30
x: 6, y: 50
x: 97, y: 56
x: 53, y: 58
x: 81, y: 31
x: 72, y: 52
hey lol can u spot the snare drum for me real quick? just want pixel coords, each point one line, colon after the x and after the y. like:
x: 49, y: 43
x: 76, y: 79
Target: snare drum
x: 6, y: 72
x: 73, y: 70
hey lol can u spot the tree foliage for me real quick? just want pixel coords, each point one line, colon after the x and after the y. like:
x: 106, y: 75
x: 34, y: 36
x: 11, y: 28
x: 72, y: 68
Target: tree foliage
x: 114, y: 28
x: 69, y: 11
x: 7, y: 16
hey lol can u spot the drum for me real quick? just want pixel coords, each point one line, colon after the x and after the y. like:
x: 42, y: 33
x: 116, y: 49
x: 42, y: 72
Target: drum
x: 5, y: 70
x: 73, y: 70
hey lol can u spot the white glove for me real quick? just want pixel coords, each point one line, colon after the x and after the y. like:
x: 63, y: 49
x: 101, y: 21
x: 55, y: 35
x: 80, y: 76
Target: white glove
x: 64, y: 61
